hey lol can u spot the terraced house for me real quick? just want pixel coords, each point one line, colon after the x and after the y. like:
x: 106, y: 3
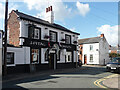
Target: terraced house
x: 39, y: 43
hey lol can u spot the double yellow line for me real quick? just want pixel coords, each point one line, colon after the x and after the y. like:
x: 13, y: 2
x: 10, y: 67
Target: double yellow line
x: 97, y: 82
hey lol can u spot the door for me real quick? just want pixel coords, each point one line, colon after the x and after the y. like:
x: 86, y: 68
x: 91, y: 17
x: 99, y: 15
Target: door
x: 85, y: 59
x: 52, y: 61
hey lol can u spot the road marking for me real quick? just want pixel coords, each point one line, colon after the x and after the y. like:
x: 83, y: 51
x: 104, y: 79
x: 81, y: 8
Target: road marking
x: 97, y: 82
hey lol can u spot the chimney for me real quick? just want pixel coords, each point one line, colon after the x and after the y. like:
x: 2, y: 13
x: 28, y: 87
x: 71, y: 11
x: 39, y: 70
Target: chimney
x: 102, y: 35
x: 49, y: 15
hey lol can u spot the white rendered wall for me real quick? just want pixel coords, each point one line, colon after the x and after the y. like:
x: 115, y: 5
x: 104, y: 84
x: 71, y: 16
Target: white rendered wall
x: 104, y: 52
x: 21, y: 55
x: 86, y: 50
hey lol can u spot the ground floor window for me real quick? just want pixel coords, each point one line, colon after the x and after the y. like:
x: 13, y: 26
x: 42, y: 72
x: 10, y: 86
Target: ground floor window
x: 68, y: 56
x: 35, y: 56
x: 10, y: 57
x: 91, y: 58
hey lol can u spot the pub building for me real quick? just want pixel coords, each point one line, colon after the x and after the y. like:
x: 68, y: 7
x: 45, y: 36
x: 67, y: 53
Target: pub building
x: 37, y: 44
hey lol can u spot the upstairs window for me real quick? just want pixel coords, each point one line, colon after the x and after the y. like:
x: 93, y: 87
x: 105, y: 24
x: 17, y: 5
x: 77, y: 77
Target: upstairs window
x: 33, y: 33
x: 91, y: 47
x: 53, y: 36
x: 67, y: 39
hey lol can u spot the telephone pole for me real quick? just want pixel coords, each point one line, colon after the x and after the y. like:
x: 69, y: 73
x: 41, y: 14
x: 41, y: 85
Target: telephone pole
x: 5, y: 42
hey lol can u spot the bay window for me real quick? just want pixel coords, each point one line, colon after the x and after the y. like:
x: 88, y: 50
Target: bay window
x: 33, y: 32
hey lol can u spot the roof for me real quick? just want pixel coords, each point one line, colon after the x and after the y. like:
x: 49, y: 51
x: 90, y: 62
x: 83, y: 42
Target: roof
x: 43, y: 22
x: 89, y: 40
x: 114, y: 48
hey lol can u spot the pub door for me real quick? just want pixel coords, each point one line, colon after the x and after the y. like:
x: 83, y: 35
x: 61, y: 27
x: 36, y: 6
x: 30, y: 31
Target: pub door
x: 52, y: 61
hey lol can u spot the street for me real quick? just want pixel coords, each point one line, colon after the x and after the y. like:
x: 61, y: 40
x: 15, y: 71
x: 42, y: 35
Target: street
x: 82, y: 77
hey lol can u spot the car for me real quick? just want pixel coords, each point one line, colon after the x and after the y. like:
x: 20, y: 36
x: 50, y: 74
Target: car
x: 114, y: 65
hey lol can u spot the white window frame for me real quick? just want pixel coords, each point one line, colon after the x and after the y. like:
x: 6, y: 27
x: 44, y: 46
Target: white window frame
x: 37, y: 55
x: 91, y: 47
x: 91, y: 57
x: 67, y: 55
x: 53, y: 36
x: 36, y: 33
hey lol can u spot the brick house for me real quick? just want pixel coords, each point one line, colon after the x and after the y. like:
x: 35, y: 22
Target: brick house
x: 114, y: 49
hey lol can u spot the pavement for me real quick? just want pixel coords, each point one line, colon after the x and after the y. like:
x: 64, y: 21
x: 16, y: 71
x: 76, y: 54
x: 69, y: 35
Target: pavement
x: 112, y: 82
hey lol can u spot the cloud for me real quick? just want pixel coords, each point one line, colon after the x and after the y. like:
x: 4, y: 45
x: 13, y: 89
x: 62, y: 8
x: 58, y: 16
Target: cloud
x: 61, y: 11
x: 83, y: 8
x: 110, y: 32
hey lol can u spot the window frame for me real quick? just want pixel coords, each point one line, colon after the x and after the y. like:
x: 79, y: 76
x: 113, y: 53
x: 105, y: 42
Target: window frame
x: 91, y: 47
x: 36, y: 62
x: 13, y: 58
x: 50, y: 31
x: 66, y: 57
x: 66, y: 39
x: 91, y: 57
x: 33, y: 32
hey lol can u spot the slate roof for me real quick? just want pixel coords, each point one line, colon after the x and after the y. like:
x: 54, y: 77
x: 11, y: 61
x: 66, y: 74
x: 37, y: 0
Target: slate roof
x: 89, y: 40
x: 43, y: 22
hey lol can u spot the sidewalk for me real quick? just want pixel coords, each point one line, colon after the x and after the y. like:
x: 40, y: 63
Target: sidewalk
x: 20, y: 76
x: 113, y: 82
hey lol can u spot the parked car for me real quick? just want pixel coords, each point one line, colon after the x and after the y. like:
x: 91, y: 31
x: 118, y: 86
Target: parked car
x: 79, y: 63
x: 114, y: 65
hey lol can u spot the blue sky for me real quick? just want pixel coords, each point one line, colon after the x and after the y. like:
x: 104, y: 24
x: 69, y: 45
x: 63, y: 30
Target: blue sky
x: 90, y: 19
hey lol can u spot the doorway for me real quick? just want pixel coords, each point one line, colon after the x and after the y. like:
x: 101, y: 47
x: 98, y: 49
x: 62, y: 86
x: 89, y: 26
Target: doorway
x: 85, y: 59
x: 52, y: 61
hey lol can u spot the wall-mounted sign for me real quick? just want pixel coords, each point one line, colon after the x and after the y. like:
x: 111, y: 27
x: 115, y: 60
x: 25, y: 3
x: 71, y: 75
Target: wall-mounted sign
x: 36, y: 43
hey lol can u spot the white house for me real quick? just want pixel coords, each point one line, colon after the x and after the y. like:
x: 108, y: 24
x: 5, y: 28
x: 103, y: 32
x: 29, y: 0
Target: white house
x: 94, y: 50
x: 41, y: 43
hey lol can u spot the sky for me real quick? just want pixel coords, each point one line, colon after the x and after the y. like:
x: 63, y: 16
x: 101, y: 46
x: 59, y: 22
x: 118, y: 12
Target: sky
x: 90, y: 19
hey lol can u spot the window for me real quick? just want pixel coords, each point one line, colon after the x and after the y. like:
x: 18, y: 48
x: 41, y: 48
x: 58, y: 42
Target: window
x: 67, y: 39
x: 53, y: 36
x: 33, y: 33
x: 36, y: 34
x: 10, y: 57
x: 68, y: 56
x: 35, y: 55
x: 91, y: 47
x: 91, y: 58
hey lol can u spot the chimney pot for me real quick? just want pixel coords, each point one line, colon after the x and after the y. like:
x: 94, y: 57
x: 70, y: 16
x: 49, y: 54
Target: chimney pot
x: 102, y: 35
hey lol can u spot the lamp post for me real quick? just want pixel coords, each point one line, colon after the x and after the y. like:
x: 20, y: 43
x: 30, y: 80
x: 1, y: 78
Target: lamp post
x: 5, y: 42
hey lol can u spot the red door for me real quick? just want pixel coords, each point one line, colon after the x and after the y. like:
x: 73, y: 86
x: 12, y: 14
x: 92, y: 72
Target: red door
x: 85, y: 59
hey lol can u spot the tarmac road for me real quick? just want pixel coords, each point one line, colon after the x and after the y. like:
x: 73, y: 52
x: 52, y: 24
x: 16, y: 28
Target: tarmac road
x: 82, y: 77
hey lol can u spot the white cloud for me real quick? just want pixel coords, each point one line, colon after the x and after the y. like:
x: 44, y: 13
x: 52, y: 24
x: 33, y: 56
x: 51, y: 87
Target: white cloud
x: 61, y: 11
x: 110, y: 32
x: 83, y: 8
